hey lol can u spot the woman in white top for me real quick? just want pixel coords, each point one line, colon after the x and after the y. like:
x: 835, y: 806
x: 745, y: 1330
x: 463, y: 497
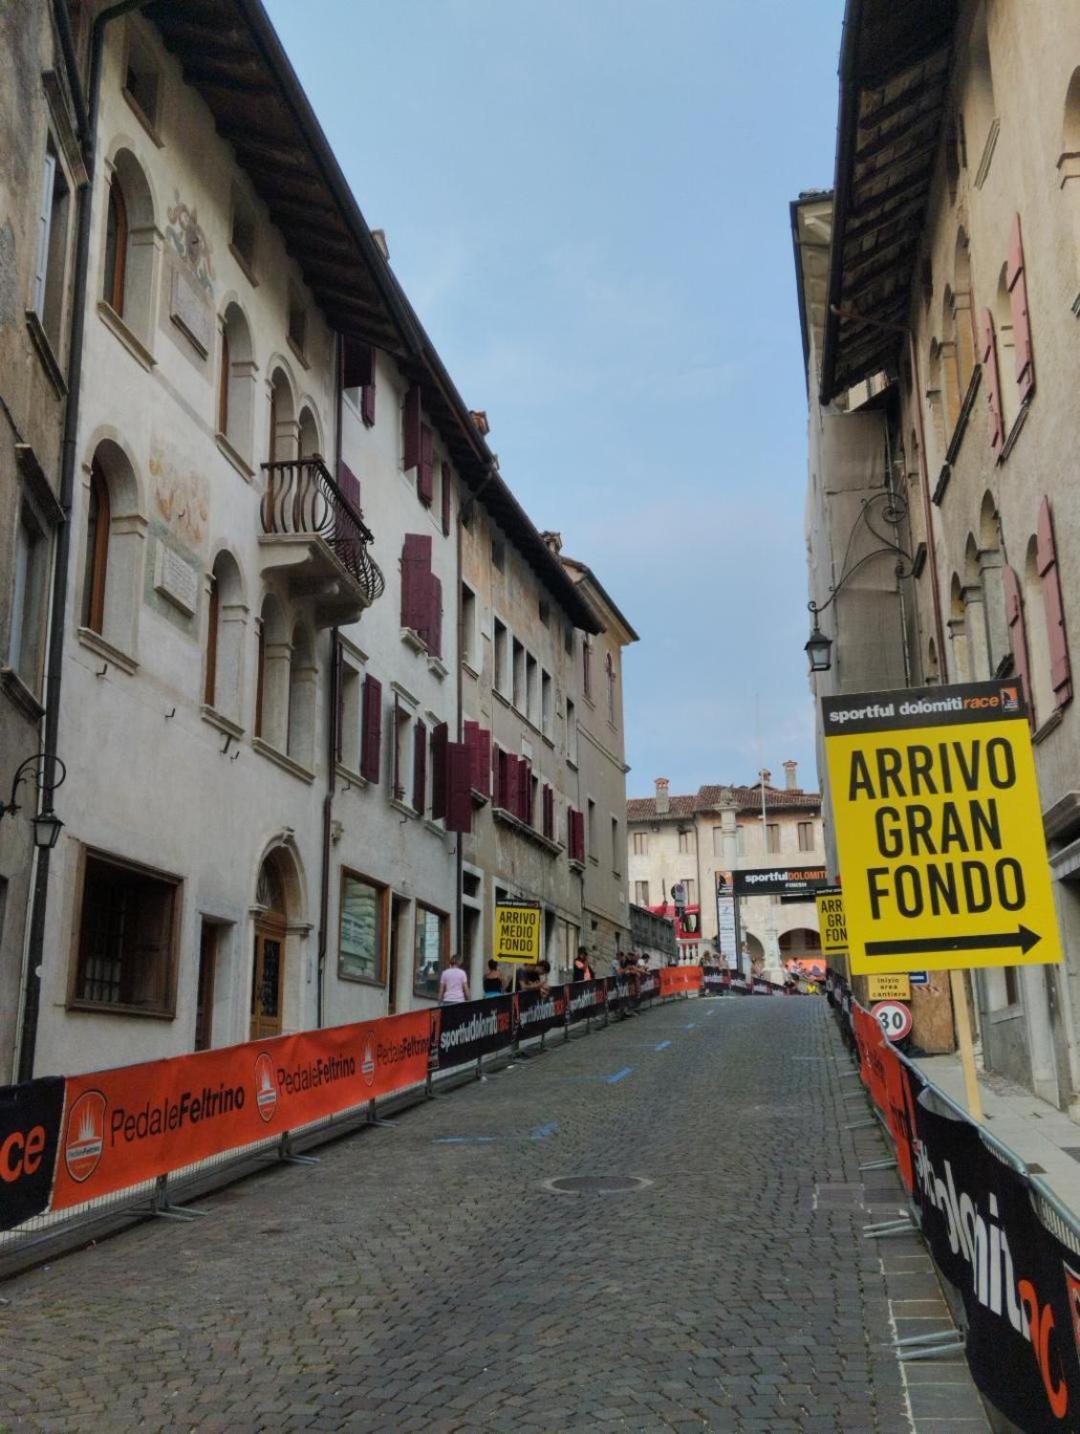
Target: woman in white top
x: 453, y: 983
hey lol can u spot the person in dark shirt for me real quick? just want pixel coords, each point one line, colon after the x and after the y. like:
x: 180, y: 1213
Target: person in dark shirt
x: 493, y: 985
x: 583, y: 970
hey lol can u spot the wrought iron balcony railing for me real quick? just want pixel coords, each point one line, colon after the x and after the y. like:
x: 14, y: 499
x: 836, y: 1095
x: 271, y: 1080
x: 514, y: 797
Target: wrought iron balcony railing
x: 302, y: 500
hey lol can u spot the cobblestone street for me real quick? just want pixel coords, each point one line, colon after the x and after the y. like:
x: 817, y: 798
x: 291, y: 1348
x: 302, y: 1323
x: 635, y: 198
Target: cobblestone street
x: 423, y: 1277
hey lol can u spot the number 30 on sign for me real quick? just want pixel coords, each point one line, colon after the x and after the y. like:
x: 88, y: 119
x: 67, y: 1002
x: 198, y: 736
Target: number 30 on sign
x: 893, y: 1018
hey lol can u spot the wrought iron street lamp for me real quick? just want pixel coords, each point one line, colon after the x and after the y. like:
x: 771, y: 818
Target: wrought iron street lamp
x: 47, y: 825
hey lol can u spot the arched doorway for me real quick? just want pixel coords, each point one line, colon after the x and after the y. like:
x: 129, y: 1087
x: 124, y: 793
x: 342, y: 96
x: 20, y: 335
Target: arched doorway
x: 268, y: 973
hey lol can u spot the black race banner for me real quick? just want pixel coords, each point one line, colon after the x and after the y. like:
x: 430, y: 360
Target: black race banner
x: 587, y: 998
x: 800, y: 882
x: 1020, y: 1286
x: 712, y: 982
x: 648, y: 985
x: 468, y: 1029
x: 535, y: 1013
x: 29, y: 1134
x: 619, y: 991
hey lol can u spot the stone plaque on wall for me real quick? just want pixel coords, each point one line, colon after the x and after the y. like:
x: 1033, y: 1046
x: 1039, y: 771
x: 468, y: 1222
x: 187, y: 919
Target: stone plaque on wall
x: 176, y: 579
x: 189, y: 310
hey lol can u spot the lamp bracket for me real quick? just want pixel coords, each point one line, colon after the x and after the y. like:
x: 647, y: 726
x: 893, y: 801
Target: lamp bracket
x: 884, y: 506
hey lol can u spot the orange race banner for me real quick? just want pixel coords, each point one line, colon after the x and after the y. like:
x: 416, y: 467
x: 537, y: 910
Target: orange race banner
x: 137, y: 1122
x: 679, y: 978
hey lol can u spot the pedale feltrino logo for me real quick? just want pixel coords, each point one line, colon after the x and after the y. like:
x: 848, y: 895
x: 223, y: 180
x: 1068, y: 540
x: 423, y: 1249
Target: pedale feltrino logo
x: 266, y: 1093
x: 85, y: 1139
x: 367, y: 1062
x: 1010, y: 699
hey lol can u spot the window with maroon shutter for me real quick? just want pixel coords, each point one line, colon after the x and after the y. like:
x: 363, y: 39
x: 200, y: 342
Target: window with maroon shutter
x: 432, y: 632
x: 548, y: 807
x: 371, y: 744
x: 411, y: 425
x: 575, y: 833
x: 440, y: 737
x: 1050, y: 576
x: 458, y: 788
x: 523, y: 811
x: 357, y: 364
x: 1016, y: 280
x: 586, y: 667
x: 446, y: 486
x: 420, y: 767
x: 350, y: 490
x: 399, y: 786
x: 1014, y: 617
x: 478, y: 741
x: 425, y: 472
x: 415, y: 570
x: 989, y: 361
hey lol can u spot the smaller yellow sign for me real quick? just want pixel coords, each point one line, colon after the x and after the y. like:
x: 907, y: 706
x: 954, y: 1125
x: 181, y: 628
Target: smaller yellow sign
x: 517, y: 933
x: 895, y: 987
x: 831, y: 922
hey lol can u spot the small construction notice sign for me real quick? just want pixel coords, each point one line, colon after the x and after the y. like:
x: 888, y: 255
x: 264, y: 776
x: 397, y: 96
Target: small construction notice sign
x: 517, y: 932
x: 831, y: 922
x: 894, y: 987
x: 939, y: 829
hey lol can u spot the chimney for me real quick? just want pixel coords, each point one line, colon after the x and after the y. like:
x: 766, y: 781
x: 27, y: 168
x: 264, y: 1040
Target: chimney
x: 663, y: 805
x: 553, y: 541
x: 379, y: 235
x: 480, y: 419
x: 791, y: 775
x: 765, y: 776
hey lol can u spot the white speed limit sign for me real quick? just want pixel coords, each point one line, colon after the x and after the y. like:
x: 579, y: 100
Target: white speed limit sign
x: 893, y: 1017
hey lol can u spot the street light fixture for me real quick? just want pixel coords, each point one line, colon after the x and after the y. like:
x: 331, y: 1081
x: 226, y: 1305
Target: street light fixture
x: 893, y: 510
x: 47, y: 825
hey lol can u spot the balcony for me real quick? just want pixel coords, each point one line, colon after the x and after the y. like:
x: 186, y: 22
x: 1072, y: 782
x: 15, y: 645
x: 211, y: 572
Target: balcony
x: 315, y: 538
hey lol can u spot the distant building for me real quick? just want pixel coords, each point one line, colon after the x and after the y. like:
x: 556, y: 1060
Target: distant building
x: 653, y: 936
x: 716, y: 831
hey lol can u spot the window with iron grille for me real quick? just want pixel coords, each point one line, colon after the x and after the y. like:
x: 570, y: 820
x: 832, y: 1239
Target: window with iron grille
x: 127, y: 938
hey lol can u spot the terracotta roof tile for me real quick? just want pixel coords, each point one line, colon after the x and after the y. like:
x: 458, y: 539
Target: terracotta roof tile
x: 707, y: 797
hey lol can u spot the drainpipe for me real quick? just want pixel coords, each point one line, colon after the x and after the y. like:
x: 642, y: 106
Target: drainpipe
x: 459, y: 915
x: 54, y: 664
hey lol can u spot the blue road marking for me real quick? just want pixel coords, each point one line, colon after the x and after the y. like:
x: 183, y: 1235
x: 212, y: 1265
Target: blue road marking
x: 464, y: 1139
x: 662, y: 1046
x: 691, y: 1025
x: 619, y: 1075
x: 543, y: 1131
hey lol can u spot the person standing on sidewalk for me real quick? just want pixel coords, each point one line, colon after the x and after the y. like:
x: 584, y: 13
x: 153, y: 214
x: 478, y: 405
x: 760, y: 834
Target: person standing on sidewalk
x: 453, y: 984
x: 582, y: 966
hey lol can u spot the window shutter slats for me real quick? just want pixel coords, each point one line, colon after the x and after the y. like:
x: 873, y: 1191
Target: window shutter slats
x: 415, y: 567
x: 399, y: 787
x: 1014, y: 617
x: 482, y: 765
x: 524, y: 793
x: 458, y: 788
x: 425, y: 473
x: 339, y: 704
x: 988, y: 359
x: 1050, y: 575
x: 1016, y: 279
x: 445, y: 492
x: 420, y: 767
x: 44, y: 226
x: 372, y: 729
x: 433, y: 615
x: 411, y: 425
x: 367, y: 404
x: 440, y: 740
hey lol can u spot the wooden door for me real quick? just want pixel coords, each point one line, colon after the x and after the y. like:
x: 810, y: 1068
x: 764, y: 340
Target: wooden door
x: 267, y: 980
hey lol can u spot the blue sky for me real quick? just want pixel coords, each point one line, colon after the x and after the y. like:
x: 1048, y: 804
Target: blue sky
x: 587, y: 202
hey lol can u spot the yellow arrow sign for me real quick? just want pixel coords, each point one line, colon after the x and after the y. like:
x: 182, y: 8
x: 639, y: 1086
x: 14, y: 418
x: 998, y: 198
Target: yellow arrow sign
x: 939, y: 829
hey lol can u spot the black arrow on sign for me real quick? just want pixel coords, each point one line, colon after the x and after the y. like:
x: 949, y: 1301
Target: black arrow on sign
x: 1022, y: 937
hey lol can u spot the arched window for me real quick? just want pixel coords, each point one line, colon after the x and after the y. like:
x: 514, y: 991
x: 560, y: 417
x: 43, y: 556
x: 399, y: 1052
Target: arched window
x: 980, y: 122
x: 283, y: 427
x: 950, y: 368
x: 937, y: 441
x: 96, y: 566
x: 309, y: 434
x: 963, y: 312
x: 225, y: 627
x: 272, y: 681
x: 974, y: 614
x: 609, y: 674
x: 236, y: 383
x: 991, y: 579
x: 960, y: 663
x: 933, y: 672
x: 130, y: 248
x: 1038, y: 647
x: 1006, y: 357
x: 116, y: 242
x: 586, y: 666
x: 112, y: 552
x: 302, y: 676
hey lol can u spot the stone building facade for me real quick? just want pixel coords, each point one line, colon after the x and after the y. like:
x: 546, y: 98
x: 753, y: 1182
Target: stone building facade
x: 278, y: 632
x: 939, y: 323
x: 694, y: 839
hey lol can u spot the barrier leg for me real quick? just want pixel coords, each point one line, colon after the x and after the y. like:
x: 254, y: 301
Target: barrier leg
x: 162, y: 1206
x: 905, y: 1225
x: 288, y: 1157
x: 374, y: 1119
x: 888, y: 1163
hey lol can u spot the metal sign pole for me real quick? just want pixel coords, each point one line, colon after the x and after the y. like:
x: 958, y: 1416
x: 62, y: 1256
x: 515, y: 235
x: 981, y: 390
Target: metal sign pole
x: 962, y: 1017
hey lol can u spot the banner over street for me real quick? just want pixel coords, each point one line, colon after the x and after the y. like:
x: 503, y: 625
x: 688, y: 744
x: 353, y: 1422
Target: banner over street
x: 939, y: 829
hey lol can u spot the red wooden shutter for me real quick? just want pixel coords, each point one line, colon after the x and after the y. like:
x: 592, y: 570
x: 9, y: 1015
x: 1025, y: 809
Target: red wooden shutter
x: 458, y: 788
x: 989, y: 361
x: 497, y: 764
x: 446, y: 499
x: 349, y: 484
x: 548, y: 812
x: 1014, y: 616
x: 411, y: 426
x: 1049, y: 572
x: 339, y: 699
x: 482, y: 765
x: 395, y: 734
x: 575, y: 834
x: 524, y: 809
x: 367, y: 402
x: 420, y: 767
x: 415, y: 567
x: 440, y: 739
x: 1016, y: 280
x: 425, y: 473
x: 371, y: 746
